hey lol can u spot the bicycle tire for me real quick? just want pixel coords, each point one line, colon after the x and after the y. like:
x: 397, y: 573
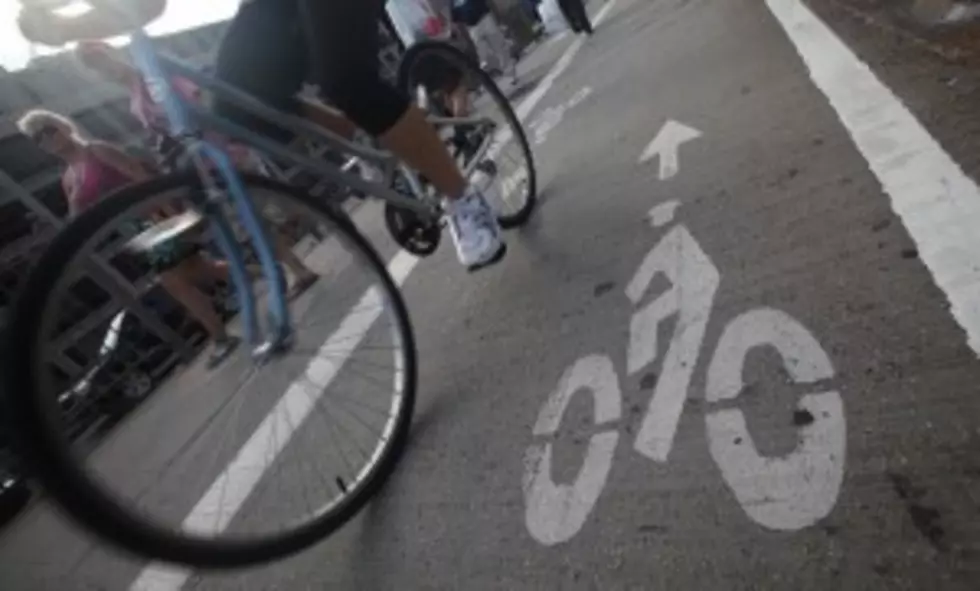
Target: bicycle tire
x: 472, y: 70
x: 79, y: 494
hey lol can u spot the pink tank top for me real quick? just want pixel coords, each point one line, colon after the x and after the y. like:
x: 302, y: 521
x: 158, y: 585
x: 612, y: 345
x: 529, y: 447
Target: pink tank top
x: 88, y: 180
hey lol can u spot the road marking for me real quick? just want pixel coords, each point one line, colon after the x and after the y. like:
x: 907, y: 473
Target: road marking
x: 663, y: 214
x: 560, y: 66
x: 785, y: 493
x: 796, y: 490
x: 938, y: 204
x: 550, y: 118
x: 694, y: 281
x: 555, y: 38
x: 666, y: 145
x: 162, y: 577
x: 214, y: 511
x: 556, y: 512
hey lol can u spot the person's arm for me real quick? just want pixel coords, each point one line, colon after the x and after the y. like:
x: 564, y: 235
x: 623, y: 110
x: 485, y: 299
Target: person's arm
x: 120, y: 161
x: 131, y: 168
x: 107, y: 18
x: 68, y: 187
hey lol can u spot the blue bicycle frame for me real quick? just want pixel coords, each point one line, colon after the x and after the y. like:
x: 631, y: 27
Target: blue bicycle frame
x: 203, y: 152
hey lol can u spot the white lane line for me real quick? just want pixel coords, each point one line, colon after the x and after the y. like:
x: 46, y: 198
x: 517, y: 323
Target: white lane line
x: 240, y: 477
x: 226, y: 495
x: 560, y: 66
x: 937, y: 202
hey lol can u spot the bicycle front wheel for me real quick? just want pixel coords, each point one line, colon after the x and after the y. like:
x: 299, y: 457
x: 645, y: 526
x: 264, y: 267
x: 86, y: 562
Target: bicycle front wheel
x: 486, y: 132
x: 209, y: 471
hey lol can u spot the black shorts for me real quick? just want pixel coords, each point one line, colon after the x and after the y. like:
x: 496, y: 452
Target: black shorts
x: 273, y: 47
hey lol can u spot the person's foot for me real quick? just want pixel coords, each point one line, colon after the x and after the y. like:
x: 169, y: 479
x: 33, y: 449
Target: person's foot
x: 221, y: 349
x: 475, y: 231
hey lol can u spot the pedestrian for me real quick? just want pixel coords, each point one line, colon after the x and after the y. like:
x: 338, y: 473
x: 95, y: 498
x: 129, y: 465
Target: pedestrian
x: 94, y: 169
x: 576, y: 15
x: 491, y: 43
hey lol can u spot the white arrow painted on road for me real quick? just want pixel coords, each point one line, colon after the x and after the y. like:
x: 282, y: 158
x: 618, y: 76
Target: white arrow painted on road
x: 666, y: 144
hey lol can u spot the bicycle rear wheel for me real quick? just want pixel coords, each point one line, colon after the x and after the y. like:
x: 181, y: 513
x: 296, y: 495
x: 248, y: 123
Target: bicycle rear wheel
x: 444, y: 71
x: 195, y: 489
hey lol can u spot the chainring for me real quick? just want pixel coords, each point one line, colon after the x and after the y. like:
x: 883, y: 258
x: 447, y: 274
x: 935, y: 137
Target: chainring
x: 412, y: 232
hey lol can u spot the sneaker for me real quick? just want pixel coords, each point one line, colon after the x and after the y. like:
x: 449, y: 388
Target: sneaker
x: 475, y: 231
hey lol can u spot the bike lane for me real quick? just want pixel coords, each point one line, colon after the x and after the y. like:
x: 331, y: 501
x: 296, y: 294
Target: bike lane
x: 785, y: 213
x: 837, y: 455
x: 769, y: 225
x: 774, y: 193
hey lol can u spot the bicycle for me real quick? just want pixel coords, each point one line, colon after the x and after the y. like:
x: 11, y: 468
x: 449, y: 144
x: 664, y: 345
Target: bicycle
x: 413, y: 217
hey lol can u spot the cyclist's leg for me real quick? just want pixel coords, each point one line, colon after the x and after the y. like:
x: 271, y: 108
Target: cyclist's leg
x: 248, y: 160
x: 177, y: 278
x: 343, y: 38
x: 260, y: 55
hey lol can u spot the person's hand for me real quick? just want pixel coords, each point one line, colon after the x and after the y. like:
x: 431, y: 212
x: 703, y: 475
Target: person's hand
x: 41, y: 26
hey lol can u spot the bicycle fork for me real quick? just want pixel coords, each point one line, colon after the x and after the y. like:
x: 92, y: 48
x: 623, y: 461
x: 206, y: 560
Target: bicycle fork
x: 279, y: 330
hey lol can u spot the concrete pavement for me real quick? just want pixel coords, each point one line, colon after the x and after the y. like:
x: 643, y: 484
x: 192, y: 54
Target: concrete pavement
x: 781, y: 396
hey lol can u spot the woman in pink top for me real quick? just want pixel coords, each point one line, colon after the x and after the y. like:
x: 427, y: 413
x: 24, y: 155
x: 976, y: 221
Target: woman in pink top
x: 95, y: 169
x: 98, y: 56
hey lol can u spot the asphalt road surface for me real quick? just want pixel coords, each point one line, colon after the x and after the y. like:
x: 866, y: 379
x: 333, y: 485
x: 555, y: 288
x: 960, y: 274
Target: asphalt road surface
x: 735, y: 348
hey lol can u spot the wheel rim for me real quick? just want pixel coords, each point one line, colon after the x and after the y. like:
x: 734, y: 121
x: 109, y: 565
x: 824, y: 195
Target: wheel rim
x: 511, y: 190
x: 198, y: 516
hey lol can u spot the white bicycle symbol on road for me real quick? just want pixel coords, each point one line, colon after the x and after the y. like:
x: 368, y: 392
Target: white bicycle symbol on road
x: 782, y: 493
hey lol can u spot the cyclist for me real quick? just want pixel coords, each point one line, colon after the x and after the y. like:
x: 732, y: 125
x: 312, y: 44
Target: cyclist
x: 260, y: 55
x: 96, y: 168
